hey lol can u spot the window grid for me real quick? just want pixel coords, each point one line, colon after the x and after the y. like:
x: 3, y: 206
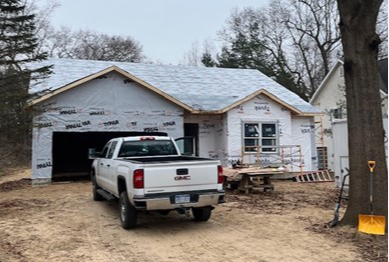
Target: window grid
x: 260, y: 134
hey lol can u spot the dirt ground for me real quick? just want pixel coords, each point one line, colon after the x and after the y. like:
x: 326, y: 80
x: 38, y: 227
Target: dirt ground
x: 61, y: 222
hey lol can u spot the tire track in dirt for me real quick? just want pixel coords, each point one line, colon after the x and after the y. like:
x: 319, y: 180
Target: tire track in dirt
x: 73, y: 227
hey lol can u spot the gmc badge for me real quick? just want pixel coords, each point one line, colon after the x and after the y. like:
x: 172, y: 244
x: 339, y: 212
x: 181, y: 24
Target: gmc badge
x: 177, y: 178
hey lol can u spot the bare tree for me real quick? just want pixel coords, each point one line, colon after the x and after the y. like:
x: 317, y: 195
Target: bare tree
x: 96, y: 46
x: 295, y: 38
x: 43, y: 27
x: 300, y: 38
x: 358, y: 20
x: 81, y: 44
x: 310, y: 36
x: 91, y: 45
x: 208, y: 56
x: 194, y: 56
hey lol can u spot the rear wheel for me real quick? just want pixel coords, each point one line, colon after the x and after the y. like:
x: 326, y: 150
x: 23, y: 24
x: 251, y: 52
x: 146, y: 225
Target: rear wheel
x: 128, y: 213
x: 202, y: 213
x: 95, y: 186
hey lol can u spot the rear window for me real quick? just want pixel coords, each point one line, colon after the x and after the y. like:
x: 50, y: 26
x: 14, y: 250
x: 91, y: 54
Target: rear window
x: 147, y: 148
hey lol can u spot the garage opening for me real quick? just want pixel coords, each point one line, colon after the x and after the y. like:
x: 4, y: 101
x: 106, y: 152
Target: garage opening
x: 70, y: 151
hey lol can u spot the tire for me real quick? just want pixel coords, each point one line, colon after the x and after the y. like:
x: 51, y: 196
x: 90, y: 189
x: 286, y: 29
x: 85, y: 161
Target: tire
x: 202, y: 213
x: 95, y: 186
x: 127, y: 212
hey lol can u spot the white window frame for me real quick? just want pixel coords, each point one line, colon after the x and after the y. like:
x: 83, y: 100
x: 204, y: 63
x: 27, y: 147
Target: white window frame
x: 259, y: 139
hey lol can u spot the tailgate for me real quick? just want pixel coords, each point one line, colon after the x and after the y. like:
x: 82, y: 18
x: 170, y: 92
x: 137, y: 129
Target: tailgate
x: 180, y: 176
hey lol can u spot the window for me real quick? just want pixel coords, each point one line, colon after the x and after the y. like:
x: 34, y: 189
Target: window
x: 322, y: 158
x: 262, y: 135
x: 341, y: 72
x: 251, y: 137
x: 112, y: 149
x: 105, y: 150
x: 147, y: 148
x: 339, y: 113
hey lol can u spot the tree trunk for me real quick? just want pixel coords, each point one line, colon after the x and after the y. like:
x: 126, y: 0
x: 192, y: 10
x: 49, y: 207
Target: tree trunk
x: 365, y: 128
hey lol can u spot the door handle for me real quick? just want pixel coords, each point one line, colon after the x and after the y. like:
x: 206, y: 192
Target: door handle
x: 108, y: 165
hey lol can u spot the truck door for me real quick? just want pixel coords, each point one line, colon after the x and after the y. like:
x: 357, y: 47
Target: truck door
x: 111, y: 167
x: 102, y: 167
x: 187, y: 145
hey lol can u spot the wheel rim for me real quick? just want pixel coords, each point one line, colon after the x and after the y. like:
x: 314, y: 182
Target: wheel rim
x: 123, y: 211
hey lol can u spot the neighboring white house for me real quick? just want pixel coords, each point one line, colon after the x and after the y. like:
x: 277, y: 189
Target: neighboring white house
x: 330, y: 99
x: 85, y: 103
x: 341, y: 156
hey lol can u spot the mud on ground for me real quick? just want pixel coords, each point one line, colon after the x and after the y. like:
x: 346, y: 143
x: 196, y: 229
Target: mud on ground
x: 61, y: 222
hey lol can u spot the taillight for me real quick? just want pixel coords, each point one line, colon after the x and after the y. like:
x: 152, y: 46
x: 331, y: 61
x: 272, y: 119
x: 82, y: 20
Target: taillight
x: 143, y: 138
x: 220, y: 177
x: 138, y: 178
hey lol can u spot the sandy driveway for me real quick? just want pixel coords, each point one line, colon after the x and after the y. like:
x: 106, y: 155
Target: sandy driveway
x: 61, y: 222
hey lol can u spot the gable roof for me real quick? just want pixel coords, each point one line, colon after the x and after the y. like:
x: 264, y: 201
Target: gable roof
x: 53, y: 92
x: 382, y: 69
x: 196, y: 89
x: 325, y: 80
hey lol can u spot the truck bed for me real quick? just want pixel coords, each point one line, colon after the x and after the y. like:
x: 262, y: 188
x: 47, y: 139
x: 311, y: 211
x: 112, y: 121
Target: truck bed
x: 168, y: 159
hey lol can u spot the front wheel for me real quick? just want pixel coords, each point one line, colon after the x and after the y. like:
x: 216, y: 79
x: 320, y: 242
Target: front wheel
x: 128, y: 213
x: 202, y: 213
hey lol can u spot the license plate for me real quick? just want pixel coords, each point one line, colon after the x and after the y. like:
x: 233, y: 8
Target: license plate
x: 182, y: 199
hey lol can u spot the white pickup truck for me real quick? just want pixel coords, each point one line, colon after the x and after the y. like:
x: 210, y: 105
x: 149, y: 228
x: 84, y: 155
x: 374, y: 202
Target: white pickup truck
x: 149, y: 173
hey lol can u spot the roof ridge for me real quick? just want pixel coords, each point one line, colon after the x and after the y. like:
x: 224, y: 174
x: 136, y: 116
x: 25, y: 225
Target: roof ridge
x: 152, y: 64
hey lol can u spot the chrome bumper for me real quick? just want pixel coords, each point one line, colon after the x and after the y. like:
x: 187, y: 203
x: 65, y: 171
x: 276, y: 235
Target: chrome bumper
x: 167, y: 203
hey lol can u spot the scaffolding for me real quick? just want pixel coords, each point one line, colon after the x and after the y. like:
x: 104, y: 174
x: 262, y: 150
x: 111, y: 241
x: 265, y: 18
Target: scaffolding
x: 285, y: 155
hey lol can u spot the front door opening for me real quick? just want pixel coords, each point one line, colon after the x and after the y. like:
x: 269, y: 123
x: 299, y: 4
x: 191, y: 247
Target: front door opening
x: 70, y: 151
x: 192, y: 129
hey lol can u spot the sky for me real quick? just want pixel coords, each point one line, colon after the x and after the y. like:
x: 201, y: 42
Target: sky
x: 166, y: 29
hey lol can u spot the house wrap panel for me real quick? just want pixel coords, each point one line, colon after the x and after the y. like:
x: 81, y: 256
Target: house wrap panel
x: 110, y: 103
x: 291, y: 131
x: 262, y: 109
x: 212, y: 136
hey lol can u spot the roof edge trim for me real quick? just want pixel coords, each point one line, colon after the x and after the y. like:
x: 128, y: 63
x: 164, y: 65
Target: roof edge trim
x: 325, y: 80
x: 103, y: 72
x: 268, y: 94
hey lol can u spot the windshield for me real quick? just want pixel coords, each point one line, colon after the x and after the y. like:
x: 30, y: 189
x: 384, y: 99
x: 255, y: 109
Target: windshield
x: 147, y: 148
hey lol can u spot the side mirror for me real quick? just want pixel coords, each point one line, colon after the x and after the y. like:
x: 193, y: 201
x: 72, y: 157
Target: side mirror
x: 92, y: 154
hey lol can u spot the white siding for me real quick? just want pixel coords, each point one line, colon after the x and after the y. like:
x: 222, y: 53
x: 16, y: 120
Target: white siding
x: 331, y: 94
x: 341, y: 153
x: 384, y: 104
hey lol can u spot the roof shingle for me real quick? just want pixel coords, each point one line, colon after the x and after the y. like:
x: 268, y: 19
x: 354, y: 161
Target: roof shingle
x: 201, y: 88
